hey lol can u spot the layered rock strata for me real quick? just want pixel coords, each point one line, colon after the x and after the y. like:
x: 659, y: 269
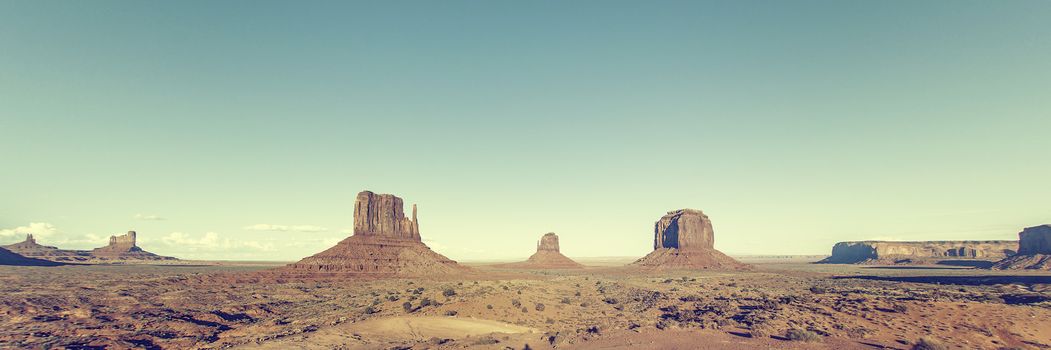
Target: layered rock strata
x: 123, y: 247
x: 684, y: 239
x: 1034, y: 250
x: 31, y: 249
x: 10, y: 258
x: 918, y: 252
x: 385, y: 243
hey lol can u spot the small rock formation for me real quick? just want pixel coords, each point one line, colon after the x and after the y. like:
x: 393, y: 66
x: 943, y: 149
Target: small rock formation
x: 547, y: 256
x: 385, y: 243
x: 684, y: 239
x: 918, y: 252
x: 123, y: 247
x: 10, y: 258
x: 1034, y: 250
x: 31, y: 249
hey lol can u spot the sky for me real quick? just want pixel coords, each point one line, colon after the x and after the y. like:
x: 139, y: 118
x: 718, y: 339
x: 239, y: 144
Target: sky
x: 242, y: 130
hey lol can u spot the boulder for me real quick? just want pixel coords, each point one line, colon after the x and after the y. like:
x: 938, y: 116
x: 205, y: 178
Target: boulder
x: 1034, y: 250
x: 384, y: 244
x: 684, y: 239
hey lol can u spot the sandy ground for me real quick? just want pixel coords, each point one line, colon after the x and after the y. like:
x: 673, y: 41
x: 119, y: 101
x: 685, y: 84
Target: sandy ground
x: 206, y: 306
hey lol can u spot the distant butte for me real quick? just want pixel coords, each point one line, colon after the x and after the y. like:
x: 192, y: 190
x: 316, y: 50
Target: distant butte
x: 31, y: 249
x: 684, y: 239
x: 1034, y: 250
x: 10, y: 258
x: 124, y: 248
x: 385, y: 243
x: 547, y: 256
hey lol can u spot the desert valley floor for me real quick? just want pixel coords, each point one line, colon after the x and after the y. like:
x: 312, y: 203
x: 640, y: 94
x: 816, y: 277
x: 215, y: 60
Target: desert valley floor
x: 784, y: 303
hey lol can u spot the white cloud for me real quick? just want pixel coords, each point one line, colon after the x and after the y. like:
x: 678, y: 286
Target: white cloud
x: 296, y: 228
x: 182, y: 244
x: 38, y: 229
x: 148, y: 217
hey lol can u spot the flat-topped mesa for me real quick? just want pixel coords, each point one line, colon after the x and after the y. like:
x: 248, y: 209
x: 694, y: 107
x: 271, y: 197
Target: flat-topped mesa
x: 383, y: 215
x: 1034, y: 250
x: 684, y: 239
x: 684, y: 229
x: 917, y: 252
x: 548, y: 242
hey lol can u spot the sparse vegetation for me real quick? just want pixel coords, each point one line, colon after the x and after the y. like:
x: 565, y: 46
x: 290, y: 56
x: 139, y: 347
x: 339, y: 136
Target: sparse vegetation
x: 448, y: 292
x: 929, y: 344
x: 796, y: 334
x: 539, y: 307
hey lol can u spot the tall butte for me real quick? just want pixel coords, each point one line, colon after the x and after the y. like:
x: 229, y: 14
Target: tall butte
x: 384, y: 243
x: 547, y: 256
x: 684, y: 239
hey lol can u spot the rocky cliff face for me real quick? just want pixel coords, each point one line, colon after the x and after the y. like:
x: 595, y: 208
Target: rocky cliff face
x: 1034, y: 250
x: 684, y: 239
x: 1035, y: 240
x: 123, y: 248
x: 887, y: 252
x: 385, y: 244
x: 383, y: 215
x: 548, y: 242
x: 684, y: 229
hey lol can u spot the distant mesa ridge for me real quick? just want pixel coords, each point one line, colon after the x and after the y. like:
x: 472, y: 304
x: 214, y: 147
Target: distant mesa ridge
x: 1034, y: 250
x: 385, y: 243
x: 684, y: 239
x: 891, y: 252
x: 121, y: 249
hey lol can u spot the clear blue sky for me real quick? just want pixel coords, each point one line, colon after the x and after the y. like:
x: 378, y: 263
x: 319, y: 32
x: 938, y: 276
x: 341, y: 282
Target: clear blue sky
x: 243, y: 129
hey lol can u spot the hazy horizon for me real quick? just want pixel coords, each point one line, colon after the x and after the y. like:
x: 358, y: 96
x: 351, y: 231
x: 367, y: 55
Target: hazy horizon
x: 243, y: 130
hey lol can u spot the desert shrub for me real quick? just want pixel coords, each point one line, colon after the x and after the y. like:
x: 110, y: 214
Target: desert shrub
x: 610, y: 300
x: 486, y: 340
x: 899, y: 308
x: 504, y: 287
x: 540, y: 307
x: 407, y: 306
x: 371, y: 310
x: 393, y: 297
x: 448, y: 292
x: 669, y: 280
x: 576, y: 294
x: 760, y: 330
x: 662, y: 324
x: 929, y: 344
x: 584, y: 304
x: 550, y: 321
x: 490, y: 306
x: 524, y: 309
x: 451, y: 313
x: 593, y: 330
x: 796, y: 334
x: 818, y: 290
x: 690, y: 298
x: 519, y: 292
x: 426, y: 302
x: 516, y: 303
x: 566, y: 301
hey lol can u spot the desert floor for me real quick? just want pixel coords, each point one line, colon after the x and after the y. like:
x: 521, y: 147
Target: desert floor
x: 212, y: 306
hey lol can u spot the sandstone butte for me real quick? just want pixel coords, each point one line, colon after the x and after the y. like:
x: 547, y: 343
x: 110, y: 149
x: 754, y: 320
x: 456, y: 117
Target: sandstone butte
x: 1034, y: 250
x: 384, y: 244
x: 918, y: 252
x: 121, y: 249
x: 684, y: 239
x: 547, y: 256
